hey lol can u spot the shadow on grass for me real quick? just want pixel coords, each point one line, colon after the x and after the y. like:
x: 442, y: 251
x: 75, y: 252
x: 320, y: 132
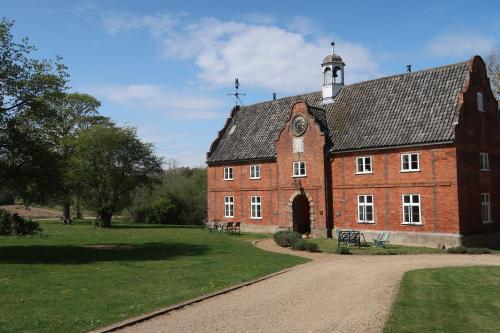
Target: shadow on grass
x: 74, y: 255
x: 154, y: 226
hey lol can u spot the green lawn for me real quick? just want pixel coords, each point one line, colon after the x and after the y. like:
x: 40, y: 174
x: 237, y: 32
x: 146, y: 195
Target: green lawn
x: 56, y: 284
x: 329, y: 245
x: 451, y: 300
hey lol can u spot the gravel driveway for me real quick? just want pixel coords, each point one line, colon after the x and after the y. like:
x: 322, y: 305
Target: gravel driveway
x: 332, y: 293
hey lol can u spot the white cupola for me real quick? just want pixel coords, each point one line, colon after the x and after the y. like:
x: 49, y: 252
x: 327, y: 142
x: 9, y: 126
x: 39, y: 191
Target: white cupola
x: 333, y: 76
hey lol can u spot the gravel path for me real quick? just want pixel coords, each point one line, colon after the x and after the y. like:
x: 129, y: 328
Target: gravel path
x: 332, y: 293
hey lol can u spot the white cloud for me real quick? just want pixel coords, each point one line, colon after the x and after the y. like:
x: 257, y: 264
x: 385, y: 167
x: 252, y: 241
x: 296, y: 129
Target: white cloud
x: 455, y: 44
x: 147, y: 97
x: 303, y: 25
x: 260, y: 55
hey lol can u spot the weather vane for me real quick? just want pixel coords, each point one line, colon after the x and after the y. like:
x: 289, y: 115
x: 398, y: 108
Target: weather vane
x: 236, y: 94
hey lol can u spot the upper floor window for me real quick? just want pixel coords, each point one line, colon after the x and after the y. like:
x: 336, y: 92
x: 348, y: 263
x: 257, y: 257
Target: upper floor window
x: 254, y: 171
x: 255, y: 207
x: 411, y: 209
x: 485, y: 208
x: 484, y: 161
x: 365, y: 209
x: 299, y: 169
x: 228, y: 173
x: 228, y: 206
x: 410, y: 162
x: 363, y: 165
x: 480, y: 105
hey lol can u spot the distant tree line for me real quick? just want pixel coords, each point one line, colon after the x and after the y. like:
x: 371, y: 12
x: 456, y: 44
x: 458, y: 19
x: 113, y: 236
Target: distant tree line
x: 179, y: 197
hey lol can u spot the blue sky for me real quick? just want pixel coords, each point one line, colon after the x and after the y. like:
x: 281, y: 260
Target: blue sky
x: 166, y: 67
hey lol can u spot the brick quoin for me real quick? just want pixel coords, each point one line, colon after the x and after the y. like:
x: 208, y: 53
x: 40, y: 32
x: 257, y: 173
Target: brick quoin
x: 449, y: 181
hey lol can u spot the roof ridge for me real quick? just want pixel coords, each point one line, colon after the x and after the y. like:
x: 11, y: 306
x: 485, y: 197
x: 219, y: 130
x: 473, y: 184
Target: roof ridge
x: 362, y: 82
x: 410, y: 73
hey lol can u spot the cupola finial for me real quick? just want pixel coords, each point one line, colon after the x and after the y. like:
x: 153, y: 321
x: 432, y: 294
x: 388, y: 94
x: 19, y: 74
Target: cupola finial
x: 333, y: 47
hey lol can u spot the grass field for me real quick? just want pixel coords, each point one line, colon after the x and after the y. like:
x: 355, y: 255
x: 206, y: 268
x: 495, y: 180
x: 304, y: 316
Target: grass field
x: 451, y: 300
x: 329, y: 245
x: 59, y: 284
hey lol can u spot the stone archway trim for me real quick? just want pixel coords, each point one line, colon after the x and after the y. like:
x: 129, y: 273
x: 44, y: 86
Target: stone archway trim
x: 311, y: 206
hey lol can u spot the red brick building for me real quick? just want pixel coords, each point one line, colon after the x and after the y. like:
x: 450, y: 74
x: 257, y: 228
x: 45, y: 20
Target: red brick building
x: 416, y: 154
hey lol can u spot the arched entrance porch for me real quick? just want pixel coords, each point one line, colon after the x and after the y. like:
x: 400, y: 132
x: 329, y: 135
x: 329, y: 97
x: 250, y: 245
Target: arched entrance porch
x: 302, y: 212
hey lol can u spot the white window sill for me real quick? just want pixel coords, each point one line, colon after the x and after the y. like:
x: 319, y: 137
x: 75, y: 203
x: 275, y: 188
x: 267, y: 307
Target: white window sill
x: 487, y: 222
x: 416, y: 170
x: 408, y: 223
x: 254, y: 178
x: 229, y: 217
x: 256, y: 218
x: 366, y: 222
x: 364, y: 173
x: 485, y: 170
x: 229, y: 179
x: 299, y: 176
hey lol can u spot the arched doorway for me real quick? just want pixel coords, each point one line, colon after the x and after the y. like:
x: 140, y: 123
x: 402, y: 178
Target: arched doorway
x: 300, y: 214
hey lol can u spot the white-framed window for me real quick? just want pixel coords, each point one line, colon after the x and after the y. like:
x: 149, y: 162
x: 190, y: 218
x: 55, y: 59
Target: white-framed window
x: 255, y: 207
x: 299, y: 169
x: 484, y: 161
x: 485, y: 208
x: 229, y: 206
x: 480, y: 105
x: 228, y: 173
x: 411, y: 209
x: 410, y: 162
x: 254, y: 171
x: 365, y: 209
x: 363, y: 165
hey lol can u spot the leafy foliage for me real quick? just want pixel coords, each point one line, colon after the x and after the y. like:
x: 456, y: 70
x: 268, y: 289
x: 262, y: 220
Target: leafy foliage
x: 27, y: 87
x: 109, y: 163
x: 14, y: 225
x: 286, y: 238
x: 468, y: 250
x: 299, y: 245
x: 312, y: 247
x: 343, y: 250
x: 179, y: 197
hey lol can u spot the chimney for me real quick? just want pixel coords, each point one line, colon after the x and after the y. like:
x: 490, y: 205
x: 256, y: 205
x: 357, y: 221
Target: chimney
x: 274, y: 96
x: 408, y: 68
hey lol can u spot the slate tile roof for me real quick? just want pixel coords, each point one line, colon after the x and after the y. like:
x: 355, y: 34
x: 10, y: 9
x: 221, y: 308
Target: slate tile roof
x: 405, y: 109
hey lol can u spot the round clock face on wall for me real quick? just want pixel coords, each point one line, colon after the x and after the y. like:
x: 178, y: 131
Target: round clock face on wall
x: 299, y: 125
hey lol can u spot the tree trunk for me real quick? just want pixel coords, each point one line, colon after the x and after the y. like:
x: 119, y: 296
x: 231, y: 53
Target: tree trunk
x: 66, y: 209
x: 105, y: 219
x: 78, y: 209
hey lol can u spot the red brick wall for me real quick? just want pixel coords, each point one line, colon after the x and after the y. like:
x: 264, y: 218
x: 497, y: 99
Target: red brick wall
x: 477, y: 132
x: 242, y: 187
x: 276, y: 185
x: 436, y: 182
x: 314, y: 183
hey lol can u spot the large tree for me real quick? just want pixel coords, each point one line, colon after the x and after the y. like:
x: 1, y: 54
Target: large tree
x: 110, y: 162
x: 493, y: 68
x: 73, y: 113
x: 27, y: 87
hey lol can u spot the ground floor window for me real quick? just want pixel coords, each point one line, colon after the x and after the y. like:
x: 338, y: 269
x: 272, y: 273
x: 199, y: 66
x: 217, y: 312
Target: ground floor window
x: 365, y: 209
x: 485, y: 207
x: 255, y: 207
x: 411, y: 209
x: 228, y: 206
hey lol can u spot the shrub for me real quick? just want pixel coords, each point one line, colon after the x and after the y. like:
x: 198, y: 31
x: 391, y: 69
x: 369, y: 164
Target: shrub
x: 15, y: 225
x: 312, y: 247
x: 286, y: 238
x: 343, y: 250
x: 299, y: 245
x: 468, y: 250
x: 386, y: 252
